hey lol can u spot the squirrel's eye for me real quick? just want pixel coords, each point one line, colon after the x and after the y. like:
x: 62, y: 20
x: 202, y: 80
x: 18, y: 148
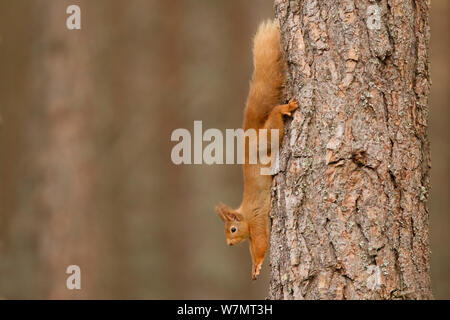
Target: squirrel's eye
x: 233, y: 229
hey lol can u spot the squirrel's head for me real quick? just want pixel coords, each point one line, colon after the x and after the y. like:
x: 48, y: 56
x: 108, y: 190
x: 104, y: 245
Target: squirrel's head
x: 236, y: 228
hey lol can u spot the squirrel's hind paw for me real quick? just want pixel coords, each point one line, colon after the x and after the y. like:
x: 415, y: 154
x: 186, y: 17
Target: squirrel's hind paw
x: 293, y: 105
x: 286, y: 109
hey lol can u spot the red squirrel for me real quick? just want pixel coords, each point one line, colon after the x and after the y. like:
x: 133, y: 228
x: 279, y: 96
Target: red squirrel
x: 263, y: 110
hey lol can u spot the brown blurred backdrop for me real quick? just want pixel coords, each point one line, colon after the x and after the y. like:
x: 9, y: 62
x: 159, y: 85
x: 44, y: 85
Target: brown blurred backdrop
x: 85, y: 170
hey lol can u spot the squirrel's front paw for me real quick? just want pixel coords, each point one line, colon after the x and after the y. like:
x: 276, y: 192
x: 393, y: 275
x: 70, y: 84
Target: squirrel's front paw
x: 288, y: 108
x: 255, y: 271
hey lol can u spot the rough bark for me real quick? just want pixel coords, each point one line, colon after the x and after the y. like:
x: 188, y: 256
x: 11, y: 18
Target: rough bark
x: 349, y: 205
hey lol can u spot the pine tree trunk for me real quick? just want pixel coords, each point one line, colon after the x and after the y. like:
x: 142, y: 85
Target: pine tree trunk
x: 349, y: 205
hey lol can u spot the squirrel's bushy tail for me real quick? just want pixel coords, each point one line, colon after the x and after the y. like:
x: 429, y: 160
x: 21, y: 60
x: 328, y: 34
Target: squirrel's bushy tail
x: 268, y: 75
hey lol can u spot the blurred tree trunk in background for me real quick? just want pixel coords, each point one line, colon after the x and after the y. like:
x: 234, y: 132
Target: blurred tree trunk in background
x: 350, y: 214
x: 173, y: 233
x: 17, y: 225
x: 63, y: 153
x: 440, y: 148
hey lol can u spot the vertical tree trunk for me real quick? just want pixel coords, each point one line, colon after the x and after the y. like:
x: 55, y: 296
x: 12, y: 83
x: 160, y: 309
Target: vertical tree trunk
x: 349, y: 207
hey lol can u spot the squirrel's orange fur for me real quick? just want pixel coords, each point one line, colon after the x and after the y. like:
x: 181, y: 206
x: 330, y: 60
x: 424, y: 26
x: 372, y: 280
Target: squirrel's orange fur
x: 262, y: 111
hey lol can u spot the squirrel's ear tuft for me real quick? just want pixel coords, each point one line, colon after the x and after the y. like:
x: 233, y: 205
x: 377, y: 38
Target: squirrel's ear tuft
x: 235, y: 216
x: 223, y: 211
x: 227, y: 214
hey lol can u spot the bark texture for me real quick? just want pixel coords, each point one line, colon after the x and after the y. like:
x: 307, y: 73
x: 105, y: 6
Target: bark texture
x: 349, y: 205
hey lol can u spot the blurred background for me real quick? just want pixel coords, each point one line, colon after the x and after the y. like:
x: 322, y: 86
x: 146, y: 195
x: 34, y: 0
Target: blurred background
x: 85, y: 171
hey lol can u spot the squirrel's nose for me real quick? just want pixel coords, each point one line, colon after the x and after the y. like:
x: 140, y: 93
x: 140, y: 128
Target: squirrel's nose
x: 230, y: 243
